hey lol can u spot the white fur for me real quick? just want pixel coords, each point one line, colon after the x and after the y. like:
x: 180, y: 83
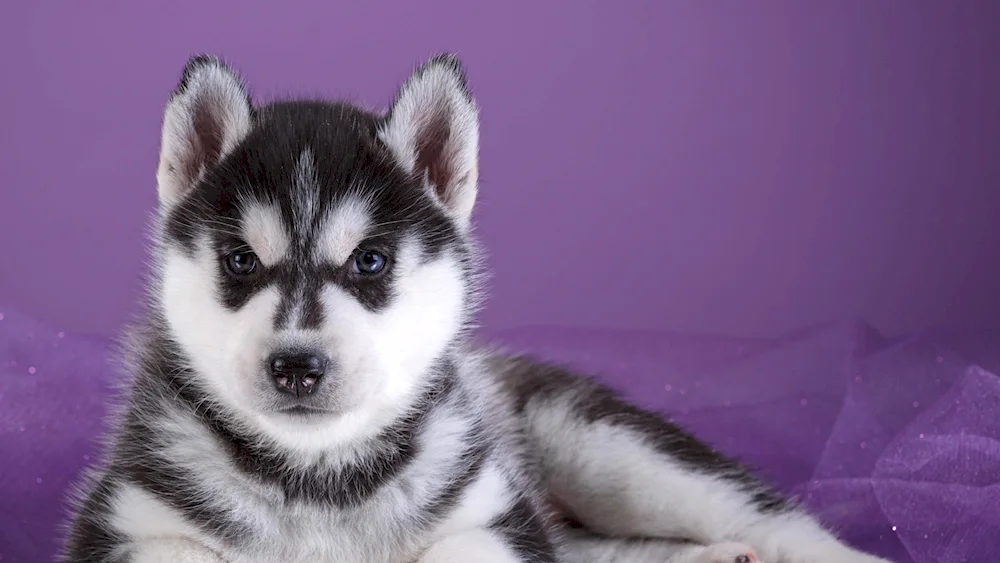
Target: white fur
x: 583, y: 547
x: 662, y: 499
x: 173, y: 550
x: 143, y: 517
x: 477, y: 545
x: 343, y: 230
x: 225, y: 345
x: 265, y: 232
x: 485, y: 498
x: 798, y: 539
x: 381, y: 356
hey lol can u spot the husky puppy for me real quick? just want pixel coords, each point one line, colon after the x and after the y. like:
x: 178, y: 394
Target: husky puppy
x: 304, y: 388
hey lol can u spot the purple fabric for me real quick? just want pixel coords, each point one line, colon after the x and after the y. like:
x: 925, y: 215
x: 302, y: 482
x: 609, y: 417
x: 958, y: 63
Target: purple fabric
x: 894, y: 443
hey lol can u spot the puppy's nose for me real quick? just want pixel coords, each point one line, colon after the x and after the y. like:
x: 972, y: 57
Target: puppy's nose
x: 297, y: 373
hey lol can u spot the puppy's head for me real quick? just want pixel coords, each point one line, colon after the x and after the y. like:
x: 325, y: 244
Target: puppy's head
x: 314, y: 261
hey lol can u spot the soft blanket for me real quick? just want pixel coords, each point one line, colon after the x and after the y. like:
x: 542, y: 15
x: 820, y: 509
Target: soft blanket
x: 894, y: 443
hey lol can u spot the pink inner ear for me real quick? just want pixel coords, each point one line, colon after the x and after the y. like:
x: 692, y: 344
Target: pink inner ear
x: 199, y: 147
x: 433, y: 129
x: 432, y: 158
x: 206, y: 141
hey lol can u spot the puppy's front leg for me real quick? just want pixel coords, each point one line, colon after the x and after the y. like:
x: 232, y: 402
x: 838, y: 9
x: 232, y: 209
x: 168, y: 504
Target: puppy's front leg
x: 482, y: 545
x: 171, y: 550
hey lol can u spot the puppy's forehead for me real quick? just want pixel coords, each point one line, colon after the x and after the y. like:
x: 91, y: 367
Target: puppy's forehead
x: 310, y: 182
x: 303, y: 199
x: 308, y: 222
x: 321, y: 173
x: 326, y: 229
x: 327, y: 238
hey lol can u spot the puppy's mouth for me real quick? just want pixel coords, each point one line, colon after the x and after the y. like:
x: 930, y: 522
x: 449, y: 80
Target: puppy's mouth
x: 303, y: 410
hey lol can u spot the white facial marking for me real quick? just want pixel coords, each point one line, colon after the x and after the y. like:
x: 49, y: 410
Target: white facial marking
x: 382, y: 357
x: 227, y: 346
x: 264, y: 231
x: 342, y: 231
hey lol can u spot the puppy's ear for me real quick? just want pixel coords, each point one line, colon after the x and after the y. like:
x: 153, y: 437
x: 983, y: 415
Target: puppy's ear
x: 207, y: 116
x: 433, y: 131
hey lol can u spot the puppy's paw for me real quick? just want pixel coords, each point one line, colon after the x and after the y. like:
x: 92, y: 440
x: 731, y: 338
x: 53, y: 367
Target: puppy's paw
x: 727, y: 553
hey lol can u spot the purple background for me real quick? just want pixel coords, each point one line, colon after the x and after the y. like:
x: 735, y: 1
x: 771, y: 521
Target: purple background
x: 733, y: 167
x: 721, y: 167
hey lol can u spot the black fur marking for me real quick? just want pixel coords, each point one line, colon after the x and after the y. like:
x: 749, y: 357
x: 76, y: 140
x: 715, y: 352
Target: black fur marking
x: 312, y: 308
x: 300, y: 291
x: 394, y: 448
x: 143, y: 464
x: 299, y: 288
x: 348, y: 160
x: 595, y: 402
x: 91, y: 538
x: 140, y: 452
x: 669, y: 439
x: 525, y: 532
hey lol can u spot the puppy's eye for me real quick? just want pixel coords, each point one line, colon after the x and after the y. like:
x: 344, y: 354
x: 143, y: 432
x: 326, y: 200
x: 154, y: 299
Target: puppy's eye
x: 369, y: 262
x: 240, y: 263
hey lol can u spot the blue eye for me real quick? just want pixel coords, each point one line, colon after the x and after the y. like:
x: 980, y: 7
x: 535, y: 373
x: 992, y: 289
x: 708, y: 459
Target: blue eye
x: 241, y: 263
x: 369, y: 262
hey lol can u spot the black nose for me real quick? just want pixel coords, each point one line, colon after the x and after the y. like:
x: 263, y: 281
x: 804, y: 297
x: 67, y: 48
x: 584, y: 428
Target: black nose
x: 297, y: 373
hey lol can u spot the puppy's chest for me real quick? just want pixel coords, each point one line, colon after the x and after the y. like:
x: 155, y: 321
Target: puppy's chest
x: 392, y: 526
x: 321, y: 534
